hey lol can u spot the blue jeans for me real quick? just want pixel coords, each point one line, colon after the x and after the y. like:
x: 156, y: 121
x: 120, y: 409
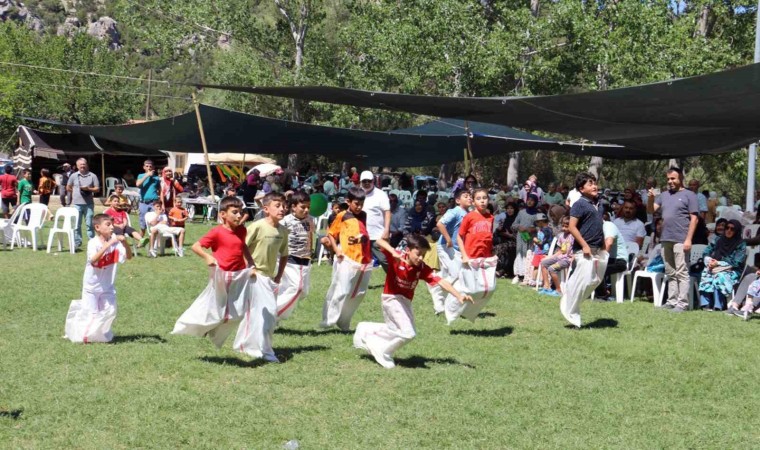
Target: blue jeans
x: 714, y: 300
x: 86, y: 212
x: 144, y: 208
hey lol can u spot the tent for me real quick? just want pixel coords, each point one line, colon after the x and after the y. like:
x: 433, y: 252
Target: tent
x: 238, y: 132
x: 707, y: 114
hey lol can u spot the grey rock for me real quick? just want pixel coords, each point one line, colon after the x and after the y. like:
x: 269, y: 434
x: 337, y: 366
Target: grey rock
x: 105, y: 29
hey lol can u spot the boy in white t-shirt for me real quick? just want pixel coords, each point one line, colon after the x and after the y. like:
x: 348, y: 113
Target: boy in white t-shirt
x: 160, y: 224
x: 90, y: 319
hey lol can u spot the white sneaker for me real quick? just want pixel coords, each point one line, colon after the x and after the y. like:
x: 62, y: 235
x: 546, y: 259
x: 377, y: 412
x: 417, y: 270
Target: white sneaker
x: 152, y: 253
x: 515, y: 280
x: 180, y: 252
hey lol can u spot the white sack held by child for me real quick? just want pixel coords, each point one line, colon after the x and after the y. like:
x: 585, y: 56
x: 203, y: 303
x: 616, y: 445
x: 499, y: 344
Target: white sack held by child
x: 294, y: 286
x: 585, y: 277
x: 450, y: 262
x: 254, y: 336
x: 477, y: 279
x: 347, y: 288
x: 219, y: 308
x: 90, y: 319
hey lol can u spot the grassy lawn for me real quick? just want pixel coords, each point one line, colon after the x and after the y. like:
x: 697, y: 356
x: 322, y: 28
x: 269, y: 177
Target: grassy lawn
x: 518, y: 378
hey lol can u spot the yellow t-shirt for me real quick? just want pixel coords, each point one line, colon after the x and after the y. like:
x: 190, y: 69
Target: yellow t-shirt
x: 267, y: 244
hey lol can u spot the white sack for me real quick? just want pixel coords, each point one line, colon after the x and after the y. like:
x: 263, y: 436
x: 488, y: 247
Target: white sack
x: 294, y: 286
x: 450, y: 263
x: 219, y: 308
x: 254, y: 336
x: 478, y: 279
x: 90, y: 319
x: 585, y: 277
x: 347, y: 288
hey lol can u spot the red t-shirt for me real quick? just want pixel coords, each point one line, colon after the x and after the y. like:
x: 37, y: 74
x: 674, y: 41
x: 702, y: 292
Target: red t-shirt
x: 8, y: 185
x: 402, y: 277
x: 119, y: 217
x: 227, y: 247
x: 355, y: 178
x: 477, y: 233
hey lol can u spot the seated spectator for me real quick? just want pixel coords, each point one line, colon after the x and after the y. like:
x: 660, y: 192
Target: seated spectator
x: 541, y: 243
x: 615, y: 244
x: 720, y: 227
x: 399, y: 218
x: 118, y: 212
x: 746, y: 301
x: 505, y: 244
x: 159, y: 225
x: 630, y: 227
x: 724, y: 262
x: 559, y: 261
x: 419, y: 220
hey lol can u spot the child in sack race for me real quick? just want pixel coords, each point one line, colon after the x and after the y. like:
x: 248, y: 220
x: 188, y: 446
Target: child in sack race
x: 405, y: 269
x: 90, y: 319
x: 295, y: 281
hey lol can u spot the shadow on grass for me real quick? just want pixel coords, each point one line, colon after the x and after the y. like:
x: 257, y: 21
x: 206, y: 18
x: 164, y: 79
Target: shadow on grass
x: 14, y: 414
x: 376, y: 286
x: 483, y: 315
x: 325, y: 332
x: 421, y: 362
x: 498, y: 332
x: 598, y: 323
x: 141, y: 338
x: 284, y: 354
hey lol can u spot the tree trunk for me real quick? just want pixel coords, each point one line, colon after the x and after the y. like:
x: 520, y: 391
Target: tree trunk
x: 513, y: 171
x: 444, y: 175
x: 673, y: 162
x: 595, y: 166
x: 705, y: 22
x: 535, y: 7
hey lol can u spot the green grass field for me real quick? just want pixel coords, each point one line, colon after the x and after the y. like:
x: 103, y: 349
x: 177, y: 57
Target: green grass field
x: 636, y: 377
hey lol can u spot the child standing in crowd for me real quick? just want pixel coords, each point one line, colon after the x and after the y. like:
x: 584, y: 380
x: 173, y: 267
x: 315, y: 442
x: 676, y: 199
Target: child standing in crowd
x: 541, y: 243
x: 405, y: 269
x: 586, y: 226
x: 159, y: 225
x: 178, y: 214
x: 449, y: 252
x: 351, y: 269
x: 45, y: 186
x: 25, y: 191
x: 90, y: 319
x: 559, y: 261
x: 117, y: 197
x: 296, y: 280
x: 227, y: 297
x: 267, y: 241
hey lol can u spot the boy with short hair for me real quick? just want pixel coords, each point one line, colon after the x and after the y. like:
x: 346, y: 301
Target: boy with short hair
x: 405, y: 269
x: 586, y: 226
x: 541, y: 243
x: 559, y: 261
x: 353, y: 263
x: 227, y: 297
x: 90, y: 319
x: 25, y: 190
x: 178, y: 214
x: 118, y: 213
x: 117, y: 196
x: 160, y: 224
x: 267, y: 242
x: 295, y: 281
x: 449, y: 253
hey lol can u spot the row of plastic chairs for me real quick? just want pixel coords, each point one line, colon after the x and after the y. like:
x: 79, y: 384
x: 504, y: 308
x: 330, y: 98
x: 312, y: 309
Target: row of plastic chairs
x: 30, y: 218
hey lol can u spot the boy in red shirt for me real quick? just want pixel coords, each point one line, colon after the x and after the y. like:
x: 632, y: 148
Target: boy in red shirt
x: 118, y: 212
x: 224, y: 302
x: 405, y: 269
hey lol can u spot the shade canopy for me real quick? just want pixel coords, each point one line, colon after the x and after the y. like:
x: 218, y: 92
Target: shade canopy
x: 237, y: 132
x: 707, y: 114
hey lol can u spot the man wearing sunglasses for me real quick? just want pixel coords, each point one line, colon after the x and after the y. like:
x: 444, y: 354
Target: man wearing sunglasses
x: 378, y: 209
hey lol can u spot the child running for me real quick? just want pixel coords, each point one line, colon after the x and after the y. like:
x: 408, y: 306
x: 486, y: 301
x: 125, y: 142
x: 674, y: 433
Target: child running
x: 405, y: 269
x: 352, y: 264
x: 90, y: 319
x: 267, y: 242
x: 295, y: 280
x: 559, y: 261
x: 586, y: 226
x: 477, y: 277
x: 449, y: 254
x: 226, y: 298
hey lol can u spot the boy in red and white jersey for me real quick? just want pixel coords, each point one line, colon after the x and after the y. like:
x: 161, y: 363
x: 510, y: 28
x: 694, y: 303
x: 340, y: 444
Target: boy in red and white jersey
x: 405, y: 270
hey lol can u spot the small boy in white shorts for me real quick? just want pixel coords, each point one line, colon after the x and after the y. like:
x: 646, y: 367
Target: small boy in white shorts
x: 159, y: 225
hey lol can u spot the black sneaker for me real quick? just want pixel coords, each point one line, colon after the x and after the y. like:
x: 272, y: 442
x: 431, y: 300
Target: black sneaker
x: 667, y: 306
x: 677, y: 309
x: 731, y: 311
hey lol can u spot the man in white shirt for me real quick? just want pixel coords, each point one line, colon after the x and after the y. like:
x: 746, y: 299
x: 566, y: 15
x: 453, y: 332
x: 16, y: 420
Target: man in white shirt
x: 378, y: 209
x: 630, y: 227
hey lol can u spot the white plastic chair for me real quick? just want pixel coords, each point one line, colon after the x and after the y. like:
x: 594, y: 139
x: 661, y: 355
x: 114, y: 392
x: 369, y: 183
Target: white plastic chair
x: 619, y: 279
x: 65, y: 222
x: 6, y: 227
x: 160, y: 242
x: 751, y: 230
x: 110, y: 185
x: 321, y: 231
x: 37, y: 215
x: 59, y: 187
x: 696, y: 253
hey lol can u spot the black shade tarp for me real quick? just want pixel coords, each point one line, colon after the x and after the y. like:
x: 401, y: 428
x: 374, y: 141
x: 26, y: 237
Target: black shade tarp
x: 707, y: 114
x: 235, y: 132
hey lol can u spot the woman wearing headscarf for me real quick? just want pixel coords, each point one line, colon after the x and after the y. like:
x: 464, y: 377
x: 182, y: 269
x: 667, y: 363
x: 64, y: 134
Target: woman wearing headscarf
x: 419, y: 220
x: 523, y: 228
x: 505, y: 244
x: 724, y: 261
x: 720, y: 227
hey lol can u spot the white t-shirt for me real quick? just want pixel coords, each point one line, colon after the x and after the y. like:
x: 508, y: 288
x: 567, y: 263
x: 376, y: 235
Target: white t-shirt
x: 375, y: 205
x: 573, y: 196
x: 630, y: 230
x: 99, y: 276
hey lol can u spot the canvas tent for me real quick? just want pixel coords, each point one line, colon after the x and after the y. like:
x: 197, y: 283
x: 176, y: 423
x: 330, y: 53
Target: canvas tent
x: 707, y: 114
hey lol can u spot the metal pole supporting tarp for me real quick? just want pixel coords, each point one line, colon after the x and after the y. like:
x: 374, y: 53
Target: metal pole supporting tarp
x: 203, y: 143
x: 752, y: 157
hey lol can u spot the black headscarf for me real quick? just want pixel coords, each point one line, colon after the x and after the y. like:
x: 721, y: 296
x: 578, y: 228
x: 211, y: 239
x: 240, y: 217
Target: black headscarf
x: 718, y: 222
x: 509, y: 220
x: 724, y: 246
x: 532, y: 210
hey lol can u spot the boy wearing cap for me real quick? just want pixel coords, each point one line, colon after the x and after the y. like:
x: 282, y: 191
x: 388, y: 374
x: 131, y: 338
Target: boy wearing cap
x: 541, y: 242
x: 378, y: 209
